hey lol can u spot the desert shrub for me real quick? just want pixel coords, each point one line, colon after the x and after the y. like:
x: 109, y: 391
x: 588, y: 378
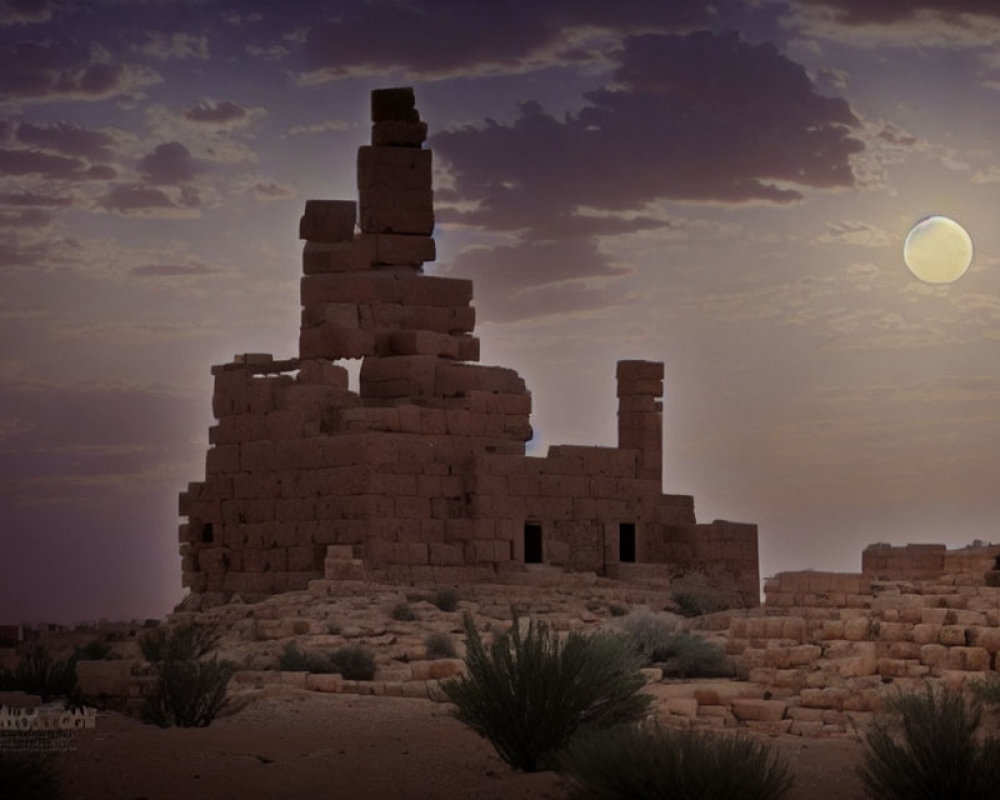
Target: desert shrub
x: 36, y: 672
x: 694, y: 604
x: 686, y: 655
x: 529, y: 694
x: 94, y: 650
x: 28, y: 777
x: 294, y: 660
x: 354, y: 662
x: 446, y: 598
x: 617, y: 610
x: 189, y: 691
x: 987, y: 690
x: 439, y: 645
x: 636, y: 762
x: 928, y: 746
x: 648, y: 632
x: 180, y: 643
x: 333, y: 628
x: 403, y: 613
x: 188, y: 694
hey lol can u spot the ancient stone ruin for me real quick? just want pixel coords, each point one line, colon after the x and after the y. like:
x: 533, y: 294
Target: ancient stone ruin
x: 420, y: 476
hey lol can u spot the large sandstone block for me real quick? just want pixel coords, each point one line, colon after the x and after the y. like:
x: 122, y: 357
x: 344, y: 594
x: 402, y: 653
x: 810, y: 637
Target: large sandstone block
x: 394, y: 104
x: 454, y: 380
x: 753, y: 709
x: 346, y: 256
x: 393, y: 170
x: 398, y: 133
x: 397, y: 249
x: 423, y: 343
x: 385, y: 287
x: 328, y: 221
x: 330, y: 341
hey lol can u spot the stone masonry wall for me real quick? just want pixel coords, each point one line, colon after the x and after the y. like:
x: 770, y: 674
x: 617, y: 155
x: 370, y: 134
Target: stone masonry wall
x: 421, y: 473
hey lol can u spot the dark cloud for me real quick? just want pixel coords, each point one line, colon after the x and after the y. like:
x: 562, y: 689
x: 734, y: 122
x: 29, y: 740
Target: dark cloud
x: 125, y: 199
x: 24, y: 218
x: 21, y: 12
x: 269, y: 190
x: 33, y: 199
x: 885, y: 12
x: 215, y: 113
x: 66, y: 70
x: 71, y: 140
x: 169, y: 164
x: 51, y: 166
x: 700, y: 117
x: 171, y: 270
x: 437, y: 38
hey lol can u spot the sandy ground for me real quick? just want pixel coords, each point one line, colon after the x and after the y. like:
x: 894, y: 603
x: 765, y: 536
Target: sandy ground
x: 345, y: 747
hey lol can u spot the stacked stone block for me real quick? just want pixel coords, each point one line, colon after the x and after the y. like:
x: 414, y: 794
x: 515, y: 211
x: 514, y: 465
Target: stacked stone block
x: 420, y: 473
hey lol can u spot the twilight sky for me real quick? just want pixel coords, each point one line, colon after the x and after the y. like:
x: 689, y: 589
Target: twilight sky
x: 722, y: 185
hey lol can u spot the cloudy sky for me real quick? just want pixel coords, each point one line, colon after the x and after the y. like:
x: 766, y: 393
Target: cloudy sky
x: 724, y: 186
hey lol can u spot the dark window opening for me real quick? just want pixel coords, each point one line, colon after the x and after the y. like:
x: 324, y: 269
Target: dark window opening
x: 996, y: 563
x: 207, y: 534
x: 626, y: 542
x: 532, y: 543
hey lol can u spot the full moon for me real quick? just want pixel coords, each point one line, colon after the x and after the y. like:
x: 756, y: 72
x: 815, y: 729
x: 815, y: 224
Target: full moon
x: 938, y: 250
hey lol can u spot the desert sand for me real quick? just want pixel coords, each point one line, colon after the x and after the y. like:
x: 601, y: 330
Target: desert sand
x: 309, y: 745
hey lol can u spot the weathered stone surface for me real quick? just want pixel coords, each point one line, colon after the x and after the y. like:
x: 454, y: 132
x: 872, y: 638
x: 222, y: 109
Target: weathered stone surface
x: 328, y: 221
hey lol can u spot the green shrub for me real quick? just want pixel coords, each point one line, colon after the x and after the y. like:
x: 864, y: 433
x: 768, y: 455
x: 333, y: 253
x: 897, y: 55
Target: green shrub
x: 529, y: 694
x: 188, y: 694
x: 636, y: 762
x: 688, y: 656
x: 648, y: 632
x: 28, y: 777
x: 36, y: 672
x: 694, y: 604
x: 988, y: 689
x: 439, y: 645
x: 928, y: 747
x: 94, y: 650
x: 294, y: 660
x: 354, y: 662
x: 403, y: 613
x: 181, y: 643
x: 446, y: 598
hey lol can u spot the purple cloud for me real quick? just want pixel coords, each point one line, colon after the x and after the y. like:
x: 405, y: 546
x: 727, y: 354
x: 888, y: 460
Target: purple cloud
x: 66, y: 70
x: 126, y: 199
x: 700, y: 117
x: 47, y: 165
x: 222, y: 113
x: 34, y: 199
x: 439, y: 38
x: 24, y: 218
x: 22, y: 12
x: 169, y: 164
x: 67, y: 139
x: 171, y: 270
x: 884, y: 12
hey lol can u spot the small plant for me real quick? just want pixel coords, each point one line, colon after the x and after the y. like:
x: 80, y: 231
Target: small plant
x: 694, y: 604
x: 36, y: 672
x: 648, y: 632
x: 402, y: 612
x: 929, y: 746
x: 333, y: 628
x: 688, y: 656
x: 354, y: 662
x: 28, y: 777
x: 987, y: 690
x: 188, y: 694
x: 530, y: 694
x: 94, y: 650
x: 446, y: 598
x: 294, y: 660
x: 440, y: 645
x: 182, y: 643
x: 640, y: 762
x: 189, y: 691
x: 617, y: 610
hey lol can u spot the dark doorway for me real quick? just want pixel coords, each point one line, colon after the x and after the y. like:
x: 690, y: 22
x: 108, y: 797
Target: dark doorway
x: 207, y: 533
x: 626, y: 542
x: 532, y: 543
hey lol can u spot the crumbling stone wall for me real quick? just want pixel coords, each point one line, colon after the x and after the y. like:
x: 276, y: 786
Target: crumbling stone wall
x: 420, y: 474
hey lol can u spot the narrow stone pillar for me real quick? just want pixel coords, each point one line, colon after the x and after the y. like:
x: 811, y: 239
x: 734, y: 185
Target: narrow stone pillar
x: 640, y: 413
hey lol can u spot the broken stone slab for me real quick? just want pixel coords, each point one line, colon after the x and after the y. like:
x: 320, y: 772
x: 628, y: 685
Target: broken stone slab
x: 328, y: 221
x: 399, y: 133
x: 400, y: 249
x: 346, y: 256
x: 398, y: 103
